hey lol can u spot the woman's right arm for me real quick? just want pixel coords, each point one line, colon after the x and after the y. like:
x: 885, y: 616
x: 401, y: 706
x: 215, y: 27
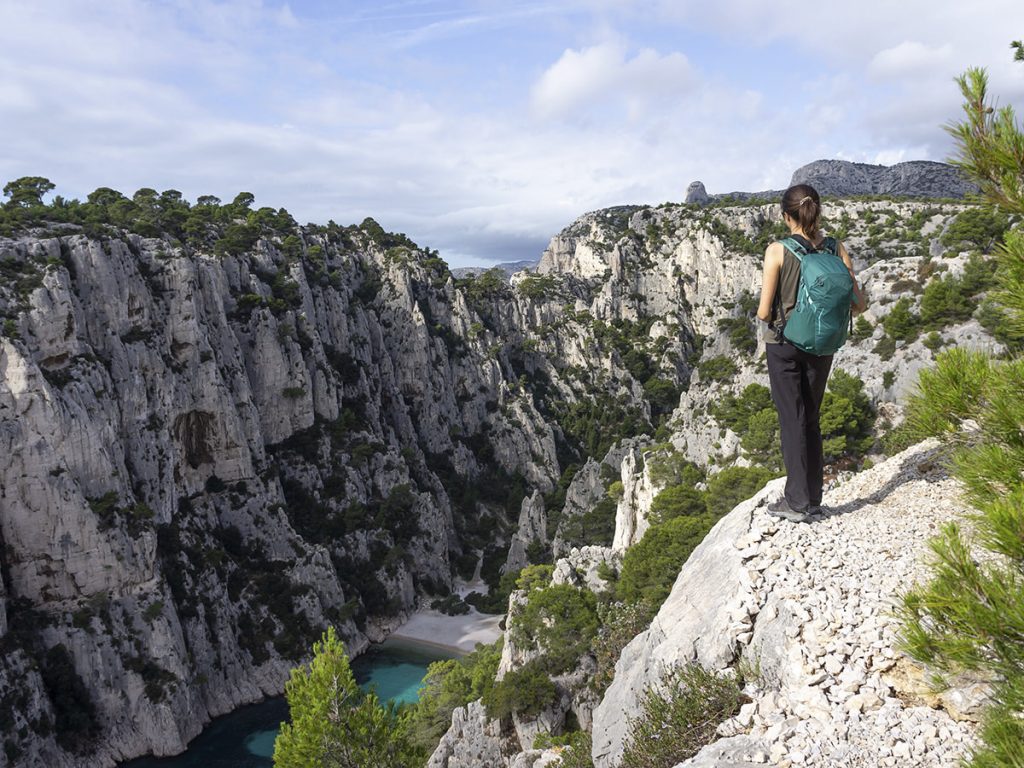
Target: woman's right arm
x: 861, y: 301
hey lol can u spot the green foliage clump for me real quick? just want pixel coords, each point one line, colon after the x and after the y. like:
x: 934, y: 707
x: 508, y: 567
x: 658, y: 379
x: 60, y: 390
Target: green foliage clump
x: 846, y: 417
x: 333, y: 723
x: 862, y: 329
x: 534, y: 577
x: 560, y: 621
x: 666, y: 466
x: 968, y: 617
x: 679, y: 716
x: 752, y: 416
x: 526, y: 691
x: 593, y: 424
x: 662, y: 394
x: 718, y: 368
x: 595, y: 525
x: 677, y: 501
x: 885, y: 348
x: 578, y: 747
x: 739, y: 333
x: 944, y: 302
x: 650, y: 566
x: 536, y: 287
x: 450, y: 684
x: 950, y: 393
x: 620, y: 623
x: 902, y: 323
x: 978, y: 227
x: 732, y: 485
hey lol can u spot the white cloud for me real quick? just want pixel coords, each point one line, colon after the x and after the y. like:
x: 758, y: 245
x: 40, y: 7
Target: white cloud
x: 218, y: 97
x: 604, y: 75
x: 911, y: 58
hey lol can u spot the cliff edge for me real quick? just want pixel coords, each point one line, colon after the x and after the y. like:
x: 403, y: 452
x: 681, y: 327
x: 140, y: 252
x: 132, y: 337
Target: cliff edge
x: 810, y: 609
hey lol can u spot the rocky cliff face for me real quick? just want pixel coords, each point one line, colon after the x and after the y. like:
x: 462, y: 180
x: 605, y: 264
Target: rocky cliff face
x: 809, y: 608
x: 700, y: 269
x: 207, y: 457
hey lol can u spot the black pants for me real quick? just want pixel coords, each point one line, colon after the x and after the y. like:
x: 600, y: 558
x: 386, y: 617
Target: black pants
x: 798, y: 386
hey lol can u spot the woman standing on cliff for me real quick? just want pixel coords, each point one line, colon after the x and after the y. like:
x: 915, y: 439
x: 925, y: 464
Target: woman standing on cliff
x: 797, y: 377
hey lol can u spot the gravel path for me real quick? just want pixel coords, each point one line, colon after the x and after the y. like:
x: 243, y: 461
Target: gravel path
x: 835, y: 583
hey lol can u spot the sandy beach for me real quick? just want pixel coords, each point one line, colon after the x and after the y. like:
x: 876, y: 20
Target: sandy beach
x: 458, y: 634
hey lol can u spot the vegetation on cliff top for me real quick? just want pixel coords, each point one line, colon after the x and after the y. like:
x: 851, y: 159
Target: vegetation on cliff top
x: 968, y: 617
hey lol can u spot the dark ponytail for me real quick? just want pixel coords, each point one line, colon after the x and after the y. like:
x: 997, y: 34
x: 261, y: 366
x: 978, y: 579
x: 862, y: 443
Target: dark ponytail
x: 803, y: 205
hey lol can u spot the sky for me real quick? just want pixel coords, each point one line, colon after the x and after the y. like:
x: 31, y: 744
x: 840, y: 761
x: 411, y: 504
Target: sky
x: 476, y: 127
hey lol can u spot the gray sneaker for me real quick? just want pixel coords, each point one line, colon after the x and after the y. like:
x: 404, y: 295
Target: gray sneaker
x: 782, y: 509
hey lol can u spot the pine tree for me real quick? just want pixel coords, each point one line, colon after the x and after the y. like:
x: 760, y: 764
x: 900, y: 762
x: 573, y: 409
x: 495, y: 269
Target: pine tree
x: 333, y: 723
x: 971, y: 615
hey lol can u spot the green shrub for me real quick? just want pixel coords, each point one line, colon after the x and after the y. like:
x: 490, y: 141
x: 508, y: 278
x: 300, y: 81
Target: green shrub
x: 577, y: 751
x: 534, y: 577
x: 676, y: 501
x: 620, y: 623
x: 595, y: 525
x: 846, y: 417
x: 949, y: 393
x: 997, y: 322
x: 560, y: 621
x: 944, y: 302
x: 447, y: 685
x: 679, y: 716
x: 901, y: 323
x: 862, y: 329
x: 667, y: 466
x: 885, y: 348
x: 739, y: 333
x: 650, y: 566
x: 933, y: 341
x: 719, y: 368
x: 732, y: 485
x: 536, y: 287
x: 526, y: 691
x: 979, y: 227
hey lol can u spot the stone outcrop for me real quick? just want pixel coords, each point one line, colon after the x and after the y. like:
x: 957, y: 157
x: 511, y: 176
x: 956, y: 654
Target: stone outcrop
x: 809, y: 609
x: 914, y: 178
x: 532, y: 530
x: 473, y: 741
x: 842, y: 178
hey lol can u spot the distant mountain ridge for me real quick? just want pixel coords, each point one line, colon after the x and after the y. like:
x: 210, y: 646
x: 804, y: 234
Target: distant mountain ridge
x: 841, y: 178
x: 508, y: 267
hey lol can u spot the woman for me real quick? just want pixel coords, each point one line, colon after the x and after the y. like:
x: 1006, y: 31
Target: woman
x: 797, y: 378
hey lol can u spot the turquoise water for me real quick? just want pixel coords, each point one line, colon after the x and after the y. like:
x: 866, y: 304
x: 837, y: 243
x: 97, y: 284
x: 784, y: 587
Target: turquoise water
x: 245, y: 738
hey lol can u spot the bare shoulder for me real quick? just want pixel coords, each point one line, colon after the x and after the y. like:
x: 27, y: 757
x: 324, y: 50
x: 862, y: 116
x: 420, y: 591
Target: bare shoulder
x: 774, y: 254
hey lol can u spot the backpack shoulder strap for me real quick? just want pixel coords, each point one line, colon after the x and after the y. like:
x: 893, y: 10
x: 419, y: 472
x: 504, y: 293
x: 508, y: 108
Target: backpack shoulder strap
x: 794, y: 247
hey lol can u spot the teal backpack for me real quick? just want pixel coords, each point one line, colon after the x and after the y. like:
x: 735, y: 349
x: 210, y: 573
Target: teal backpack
x: 820, y: 320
